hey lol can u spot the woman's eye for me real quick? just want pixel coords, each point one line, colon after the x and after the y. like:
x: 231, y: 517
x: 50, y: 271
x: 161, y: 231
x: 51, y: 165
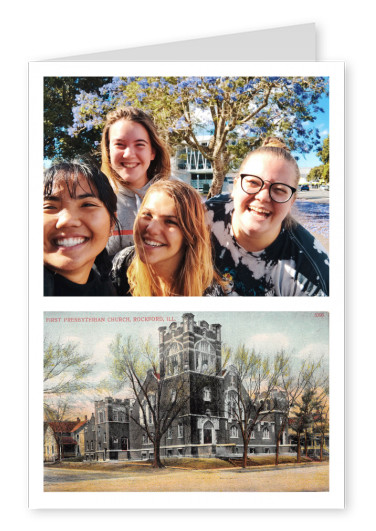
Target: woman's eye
x: 49, y: 207
x: 171, y: 222
x: 252, y: 182
x: 280, y: 191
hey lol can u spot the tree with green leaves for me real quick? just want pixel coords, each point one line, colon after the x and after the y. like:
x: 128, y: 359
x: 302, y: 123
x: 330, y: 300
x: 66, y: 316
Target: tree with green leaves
x: 321, y: 415
x: 235, y: 112
x: 59, y: 97
x: 255, y: 378
x: 293, y: 384
x: 303, y: 418
x: 65, y: 373
x: 321, y: 172
x: 158, y: 400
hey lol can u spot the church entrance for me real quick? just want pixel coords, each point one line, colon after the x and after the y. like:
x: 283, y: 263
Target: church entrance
x: 208, y: 433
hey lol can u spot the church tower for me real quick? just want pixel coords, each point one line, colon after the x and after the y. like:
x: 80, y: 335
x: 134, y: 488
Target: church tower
x: 192, y: 350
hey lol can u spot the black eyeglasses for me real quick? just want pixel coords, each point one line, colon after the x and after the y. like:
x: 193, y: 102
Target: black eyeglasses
x: 279, y: 192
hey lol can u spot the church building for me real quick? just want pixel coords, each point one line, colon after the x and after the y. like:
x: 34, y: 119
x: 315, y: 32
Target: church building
x: 200, y: 395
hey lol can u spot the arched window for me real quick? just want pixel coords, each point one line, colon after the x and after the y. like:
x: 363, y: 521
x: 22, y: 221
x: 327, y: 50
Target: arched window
x: 234, y: 432
x: 265, y: 433
x: 204, y: 356
x: 174, y: 358
x: 231, y: 405
x: 207, y: 394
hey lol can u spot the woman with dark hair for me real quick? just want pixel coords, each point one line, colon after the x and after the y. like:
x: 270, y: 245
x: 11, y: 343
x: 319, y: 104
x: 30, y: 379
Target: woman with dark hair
x: 79, y: 212
x: 259, y: 248
x: 134, y: 157
x: 172, y: 254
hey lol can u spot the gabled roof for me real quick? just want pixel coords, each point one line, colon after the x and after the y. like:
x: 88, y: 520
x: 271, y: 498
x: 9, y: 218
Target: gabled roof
x: 63, y: 426
x: 79, y: 425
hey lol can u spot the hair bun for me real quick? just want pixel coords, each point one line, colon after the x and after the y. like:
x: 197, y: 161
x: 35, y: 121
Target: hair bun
x: 273, y: 141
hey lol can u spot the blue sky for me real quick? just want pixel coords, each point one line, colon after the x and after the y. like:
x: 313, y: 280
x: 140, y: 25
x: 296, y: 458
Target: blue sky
x: 322, y: 123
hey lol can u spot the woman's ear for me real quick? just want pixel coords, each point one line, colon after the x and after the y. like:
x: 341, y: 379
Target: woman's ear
x: 233, y: 187
x: 112, y: 224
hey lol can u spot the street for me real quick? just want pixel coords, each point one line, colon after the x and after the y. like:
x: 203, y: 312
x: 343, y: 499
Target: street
x: 311, y: 209
x: 307, y: 478
x: 314, y: 195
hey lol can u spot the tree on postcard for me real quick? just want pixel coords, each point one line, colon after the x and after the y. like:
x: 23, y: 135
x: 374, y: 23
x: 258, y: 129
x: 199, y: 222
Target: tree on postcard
x: 293, y: 383
x: 233, y: 113
x: 254, y: 380
x: 321, y: 416
x: 158, y: 400
x: 65, y: 372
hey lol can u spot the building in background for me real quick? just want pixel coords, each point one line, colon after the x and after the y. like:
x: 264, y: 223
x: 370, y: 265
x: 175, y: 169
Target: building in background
x: 107, y: 432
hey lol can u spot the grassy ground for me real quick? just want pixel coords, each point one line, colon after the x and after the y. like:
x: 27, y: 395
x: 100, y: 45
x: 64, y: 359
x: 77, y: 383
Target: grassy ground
x: 186, y: 463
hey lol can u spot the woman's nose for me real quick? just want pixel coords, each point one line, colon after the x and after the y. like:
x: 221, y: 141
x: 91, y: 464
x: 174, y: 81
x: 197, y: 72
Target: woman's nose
x: 263, y: 193
x: 128, y: 151
x: 153, y: 226
x: 68, y: 218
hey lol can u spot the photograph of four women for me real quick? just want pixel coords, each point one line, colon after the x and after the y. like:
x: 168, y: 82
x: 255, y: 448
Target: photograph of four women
x: 131, y: 228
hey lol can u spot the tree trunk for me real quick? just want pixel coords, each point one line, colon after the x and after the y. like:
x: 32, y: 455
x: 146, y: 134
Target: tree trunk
x: 306, y: 443
x: 220, y: 168
x: 298, y: 452
x: 321, y: 446
x: 157, y: 463
x: 277, y: 451
x: 245, y: 449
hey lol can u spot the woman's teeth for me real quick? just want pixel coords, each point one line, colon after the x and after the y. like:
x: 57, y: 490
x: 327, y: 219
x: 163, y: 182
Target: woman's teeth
x: 260, y: 211
x: 69, y: 242
x: 153, y: 244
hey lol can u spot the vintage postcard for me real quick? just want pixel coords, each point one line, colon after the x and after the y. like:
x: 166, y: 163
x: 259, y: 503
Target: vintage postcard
x: 193, y: 402
x: 175, y: 398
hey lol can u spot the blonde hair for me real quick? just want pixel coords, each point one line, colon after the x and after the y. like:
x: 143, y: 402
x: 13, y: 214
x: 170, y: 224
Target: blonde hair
x: 275, y: 147
x: 196, y: 271
x: 160, y: 167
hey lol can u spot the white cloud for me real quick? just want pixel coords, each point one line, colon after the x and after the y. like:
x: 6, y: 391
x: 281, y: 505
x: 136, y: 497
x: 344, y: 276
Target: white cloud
x: 266, y: 343
x: 101, y: 349
x: 313, y: 350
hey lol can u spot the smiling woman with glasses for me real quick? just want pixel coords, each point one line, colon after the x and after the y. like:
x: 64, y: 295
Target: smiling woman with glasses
x: 259, y: 248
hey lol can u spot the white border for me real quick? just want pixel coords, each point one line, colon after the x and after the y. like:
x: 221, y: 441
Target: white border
x: 333, y: 304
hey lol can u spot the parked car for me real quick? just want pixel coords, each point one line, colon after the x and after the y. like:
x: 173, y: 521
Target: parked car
x: 325, y: 187
x: 304, y: 187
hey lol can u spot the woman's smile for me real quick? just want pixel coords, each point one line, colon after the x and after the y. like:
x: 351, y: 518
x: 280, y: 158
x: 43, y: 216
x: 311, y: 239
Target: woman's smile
x: 76, y: 230
x: 131, y: 152
x: 257, y: 219
x: 152, y: 243
x: 159, y: 239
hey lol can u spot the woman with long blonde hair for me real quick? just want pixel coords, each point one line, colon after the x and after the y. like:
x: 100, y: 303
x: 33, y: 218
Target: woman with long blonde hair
x: 172, y: 254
